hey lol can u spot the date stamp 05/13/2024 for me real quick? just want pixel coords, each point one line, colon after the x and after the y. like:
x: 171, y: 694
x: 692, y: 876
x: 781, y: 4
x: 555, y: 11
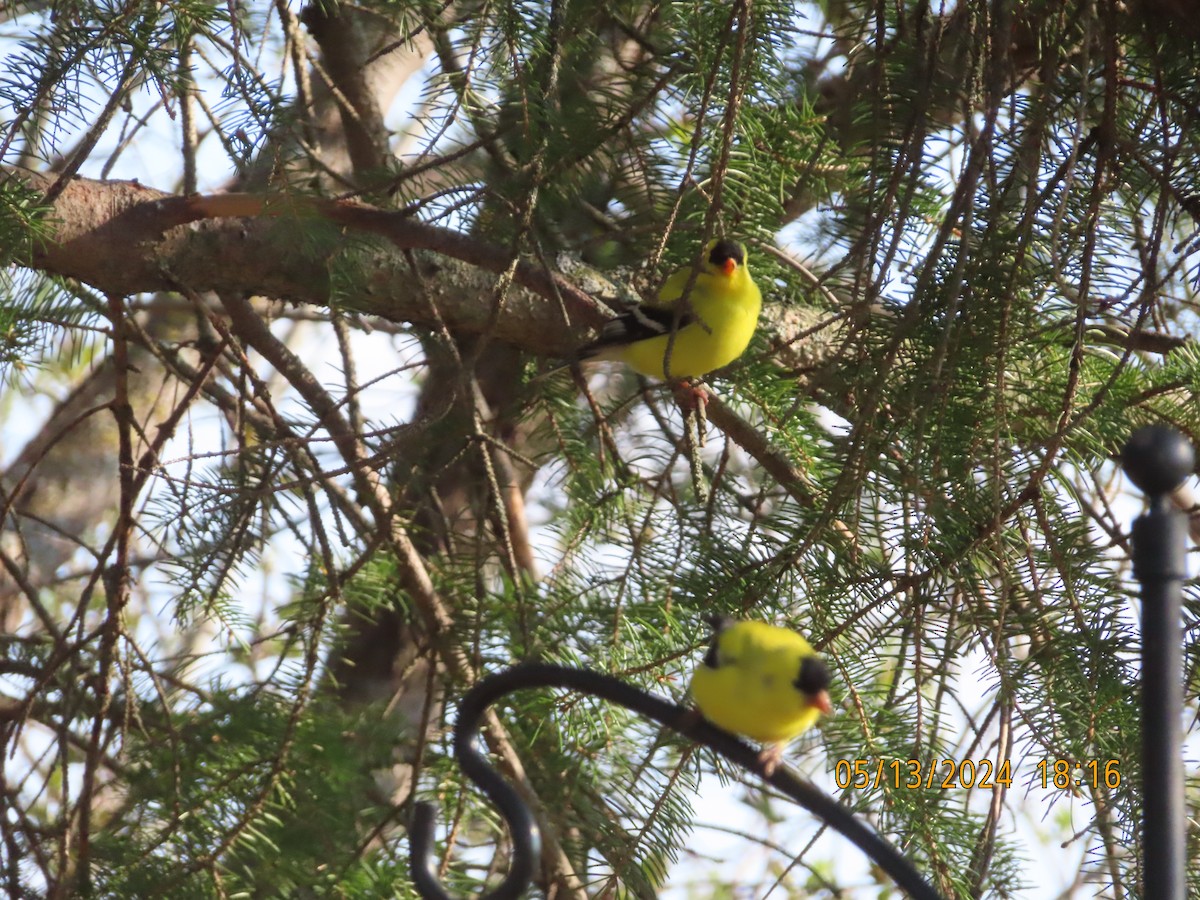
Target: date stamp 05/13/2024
x: 983, y: 774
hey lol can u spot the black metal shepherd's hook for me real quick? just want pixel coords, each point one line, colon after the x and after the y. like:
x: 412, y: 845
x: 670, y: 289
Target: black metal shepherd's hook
x: 525, y: 837
x: 1158, y: 459
x: 527, y: 840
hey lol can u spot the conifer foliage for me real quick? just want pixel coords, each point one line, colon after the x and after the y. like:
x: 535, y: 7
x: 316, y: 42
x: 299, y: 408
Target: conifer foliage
x: 279, y: 480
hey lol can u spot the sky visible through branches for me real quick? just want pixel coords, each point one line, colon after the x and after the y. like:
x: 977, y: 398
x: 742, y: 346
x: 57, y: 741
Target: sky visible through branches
x: 974, y: 233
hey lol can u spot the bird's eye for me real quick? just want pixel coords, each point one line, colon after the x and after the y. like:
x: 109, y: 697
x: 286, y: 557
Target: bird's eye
x: 813, y: 678
x: 724, y: 250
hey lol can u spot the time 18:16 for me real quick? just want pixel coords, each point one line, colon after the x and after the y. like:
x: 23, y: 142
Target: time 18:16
x: 1065, y: 774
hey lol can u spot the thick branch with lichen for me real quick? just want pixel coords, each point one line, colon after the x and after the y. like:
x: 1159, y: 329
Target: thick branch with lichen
x: 123, y: 238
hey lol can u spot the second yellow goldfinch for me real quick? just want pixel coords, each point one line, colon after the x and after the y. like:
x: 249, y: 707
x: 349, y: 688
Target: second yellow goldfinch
x: 762, y: 682
x: 675, y: 338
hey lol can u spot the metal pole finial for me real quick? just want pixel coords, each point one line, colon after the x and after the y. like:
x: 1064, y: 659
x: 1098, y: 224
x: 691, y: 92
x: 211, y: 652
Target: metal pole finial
x: 1157, y: 459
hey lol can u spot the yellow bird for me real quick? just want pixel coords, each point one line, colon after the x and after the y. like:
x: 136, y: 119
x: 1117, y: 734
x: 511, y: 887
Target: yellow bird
x: 674, y: 338
x: 762, y: 682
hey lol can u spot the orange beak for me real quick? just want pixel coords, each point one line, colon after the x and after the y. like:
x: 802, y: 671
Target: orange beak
x: 822, y: 702
x: 728, y: 267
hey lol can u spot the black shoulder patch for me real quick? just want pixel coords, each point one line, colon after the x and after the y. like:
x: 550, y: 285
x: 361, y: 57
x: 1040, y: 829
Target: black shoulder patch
x: 636, y: 324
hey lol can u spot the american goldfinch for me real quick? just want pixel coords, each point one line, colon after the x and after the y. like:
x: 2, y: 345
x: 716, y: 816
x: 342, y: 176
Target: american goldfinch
x: 762, y: 682
x: 714, y: 327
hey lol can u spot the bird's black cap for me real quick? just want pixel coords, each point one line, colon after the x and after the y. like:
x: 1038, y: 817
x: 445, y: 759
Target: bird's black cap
x: 813, y: 678
x: 723, y: 250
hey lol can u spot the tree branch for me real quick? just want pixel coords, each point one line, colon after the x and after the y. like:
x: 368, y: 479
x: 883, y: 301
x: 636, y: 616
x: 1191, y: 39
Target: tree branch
x: 123, y: 238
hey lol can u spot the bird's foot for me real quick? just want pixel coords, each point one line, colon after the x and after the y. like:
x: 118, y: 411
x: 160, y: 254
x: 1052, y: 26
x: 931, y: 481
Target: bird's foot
x: 692, y: 396
x: 771, y: 758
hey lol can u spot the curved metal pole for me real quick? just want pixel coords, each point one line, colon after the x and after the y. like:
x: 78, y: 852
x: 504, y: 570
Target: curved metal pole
x: 526, y: 840
x: 1157, y: 459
